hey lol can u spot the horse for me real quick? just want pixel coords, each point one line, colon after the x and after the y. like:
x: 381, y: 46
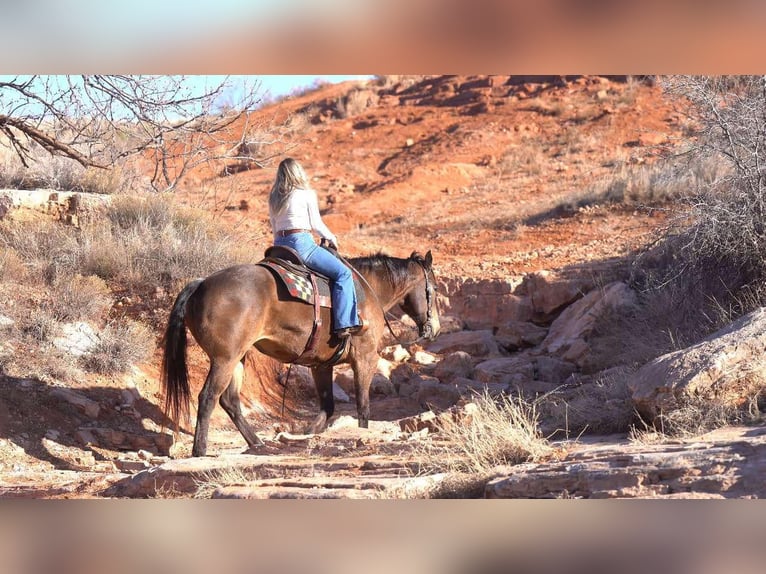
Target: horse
x: 244, y: 306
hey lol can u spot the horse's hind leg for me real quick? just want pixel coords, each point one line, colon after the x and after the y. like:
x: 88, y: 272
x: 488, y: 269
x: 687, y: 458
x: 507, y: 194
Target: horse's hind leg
x: 218, y: 378
x: 323, y: 382
x: 231, y: 404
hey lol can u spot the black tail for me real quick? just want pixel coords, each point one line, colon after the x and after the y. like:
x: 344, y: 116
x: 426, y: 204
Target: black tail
x: 175, y: 376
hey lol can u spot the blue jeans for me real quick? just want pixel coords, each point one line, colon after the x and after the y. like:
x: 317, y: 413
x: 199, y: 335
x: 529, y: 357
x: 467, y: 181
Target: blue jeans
x: 344, y: 311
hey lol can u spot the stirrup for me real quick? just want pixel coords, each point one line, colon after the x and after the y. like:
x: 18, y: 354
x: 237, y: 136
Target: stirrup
x: 348, y: 331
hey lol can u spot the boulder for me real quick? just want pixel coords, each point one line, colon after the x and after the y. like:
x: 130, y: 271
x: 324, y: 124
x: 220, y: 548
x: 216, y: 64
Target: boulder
x: 549, y: 292
x: 432, y: 393
x: 469, y: 387
x: 86, y: 406
x: 729, y: 366
x: 553, y: 370
x: 484, y: 304
x: 569, y: 333
x: 508, y: 370
x: 476, y: 343
x: 515, y: 335
x: 395, y: 353
x: 454, y: 365
x: 423, y: 358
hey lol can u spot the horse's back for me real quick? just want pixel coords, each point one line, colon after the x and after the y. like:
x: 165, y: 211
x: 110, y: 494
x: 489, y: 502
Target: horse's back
x: 230, y: 299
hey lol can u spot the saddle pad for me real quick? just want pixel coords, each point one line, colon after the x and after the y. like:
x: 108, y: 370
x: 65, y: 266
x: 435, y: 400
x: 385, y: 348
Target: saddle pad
x: 299, y: 285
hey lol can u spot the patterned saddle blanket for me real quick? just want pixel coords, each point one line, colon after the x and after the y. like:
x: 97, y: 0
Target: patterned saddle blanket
x: 296, y: 277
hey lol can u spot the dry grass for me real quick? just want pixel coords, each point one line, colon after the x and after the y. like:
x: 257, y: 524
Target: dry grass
x: 11, y: 266
x: 696, y: 416
x: 527, y: 158
x: 53, y: 172
x: 145, y: 242
x: 119, y: 347
x: 355, y: 102
x: 601, y: 405
x: 79, y: 298
x: 56, y: 274
x: 210, y: 481
x: 499, y: 431
x: 647, y: 185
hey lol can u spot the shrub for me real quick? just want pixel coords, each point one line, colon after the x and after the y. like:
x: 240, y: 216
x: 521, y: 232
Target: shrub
x: 696, y: 416
x: 119, y: 347
x: 76, y: 298
x: 709, y: 265
x: 145, y: 242
x: 42, y: 324
x: 498, y: 431
x: 11, y: 265
x: 54, y: 172
x: 355, y: 102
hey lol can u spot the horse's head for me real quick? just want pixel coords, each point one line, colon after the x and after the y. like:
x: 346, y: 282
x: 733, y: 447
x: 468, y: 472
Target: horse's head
x: 420, y: 302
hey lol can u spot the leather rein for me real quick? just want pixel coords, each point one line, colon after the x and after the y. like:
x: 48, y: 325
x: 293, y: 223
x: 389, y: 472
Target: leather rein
x: 429, y: 302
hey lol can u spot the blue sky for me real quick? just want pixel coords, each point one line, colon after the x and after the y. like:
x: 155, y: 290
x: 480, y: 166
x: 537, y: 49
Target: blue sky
x: 270, y: 86
x: 285, y: 84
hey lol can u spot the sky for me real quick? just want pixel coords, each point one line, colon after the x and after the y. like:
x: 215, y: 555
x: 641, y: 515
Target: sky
x: 268, y: 88
x: 285, y: 84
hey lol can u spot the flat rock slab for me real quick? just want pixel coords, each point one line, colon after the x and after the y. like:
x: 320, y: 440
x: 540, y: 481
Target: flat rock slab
x: 265, y: 476
x: 723, y: 464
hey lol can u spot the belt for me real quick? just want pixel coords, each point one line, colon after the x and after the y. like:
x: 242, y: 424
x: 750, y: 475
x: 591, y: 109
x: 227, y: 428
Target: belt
x: 286, y: 232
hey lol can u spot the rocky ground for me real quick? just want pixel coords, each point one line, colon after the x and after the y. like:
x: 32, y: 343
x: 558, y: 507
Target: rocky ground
x: 509, y: 182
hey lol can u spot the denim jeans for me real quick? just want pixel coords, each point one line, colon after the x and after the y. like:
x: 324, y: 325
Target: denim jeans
x: 344, y: 311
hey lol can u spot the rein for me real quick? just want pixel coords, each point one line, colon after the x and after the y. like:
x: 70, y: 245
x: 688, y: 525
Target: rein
x: 429, y: 314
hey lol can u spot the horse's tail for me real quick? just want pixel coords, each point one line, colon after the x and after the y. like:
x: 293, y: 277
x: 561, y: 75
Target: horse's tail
x: 175, y: 375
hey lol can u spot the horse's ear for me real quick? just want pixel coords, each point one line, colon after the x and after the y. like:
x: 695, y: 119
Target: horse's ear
x: 429, y: 258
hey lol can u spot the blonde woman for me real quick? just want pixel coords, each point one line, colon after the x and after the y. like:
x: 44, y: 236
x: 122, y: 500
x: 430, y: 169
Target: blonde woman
x: 294, y: 215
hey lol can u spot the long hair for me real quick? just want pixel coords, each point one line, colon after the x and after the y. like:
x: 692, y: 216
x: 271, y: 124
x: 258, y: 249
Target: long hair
x: 290, y: 176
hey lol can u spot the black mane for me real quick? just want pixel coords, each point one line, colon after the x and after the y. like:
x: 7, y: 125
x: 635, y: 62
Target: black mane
x: 395, y: 268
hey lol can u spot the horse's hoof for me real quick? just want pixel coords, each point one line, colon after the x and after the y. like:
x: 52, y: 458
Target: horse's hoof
x: 319, y: 424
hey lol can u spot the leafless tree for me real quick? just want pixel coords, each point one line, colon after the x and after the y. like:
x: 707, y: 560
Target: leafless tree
x: 729, y: 115
x: 100, y: 120
x: 710, y: 264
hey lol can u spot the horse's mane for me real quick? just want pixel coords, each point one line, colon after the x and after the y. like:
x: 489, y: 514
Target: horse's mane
x: 395, y: 268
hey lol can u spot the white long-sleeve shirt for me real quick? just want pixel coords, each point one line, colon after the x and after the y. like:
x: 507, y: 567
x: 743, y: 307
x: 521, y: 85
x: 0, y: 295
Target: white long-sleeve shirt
x: 301, y: 212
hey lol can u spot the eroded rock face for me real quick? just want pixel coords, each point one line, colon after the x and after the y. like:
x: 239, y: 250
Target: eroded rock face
x: 549, y: 293
x: 484, y: 304
x: 68, y: 206
x: 728, y: 366
x: 569, y: 333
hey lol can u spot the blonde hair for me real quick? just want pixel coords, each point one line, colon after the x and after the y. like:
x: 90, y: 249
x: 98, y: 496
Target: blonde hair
x: 290, y: 176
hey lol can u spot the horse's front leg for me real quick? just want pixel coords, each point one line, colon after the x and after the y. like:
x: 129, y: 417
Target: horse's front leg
x: 323, y: 383
x: 364, y: 369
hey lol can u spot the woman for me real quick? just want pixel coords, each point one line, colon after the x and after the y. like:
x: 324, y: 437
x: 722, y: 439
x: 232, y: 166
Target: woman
x: 294, y: 214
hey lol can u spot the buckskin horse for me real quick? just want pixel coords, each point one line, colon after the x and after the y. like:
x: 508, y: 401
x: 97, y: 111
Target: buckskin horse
x: 246, y: 306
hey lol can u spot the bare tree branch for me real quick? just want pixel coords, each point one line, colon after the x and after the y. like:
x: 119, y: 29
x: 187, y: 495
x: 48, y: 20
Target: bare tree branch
x: 100, y: 120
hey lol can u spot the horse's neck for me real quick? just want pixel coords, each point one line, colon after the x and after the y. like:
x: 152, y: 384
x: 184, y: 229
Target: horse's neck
x: 387, y: 293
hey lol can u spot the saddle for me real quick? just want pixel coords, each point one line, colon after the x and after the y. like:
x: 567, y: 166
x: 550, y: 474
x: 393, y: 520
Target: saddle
x: 307, y: 285
x: 300, y: 281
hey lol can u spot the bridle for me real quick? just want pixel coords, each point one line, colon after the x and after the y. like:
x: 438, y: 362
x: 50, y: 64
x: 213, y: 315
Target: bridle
x: 429, y: 303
